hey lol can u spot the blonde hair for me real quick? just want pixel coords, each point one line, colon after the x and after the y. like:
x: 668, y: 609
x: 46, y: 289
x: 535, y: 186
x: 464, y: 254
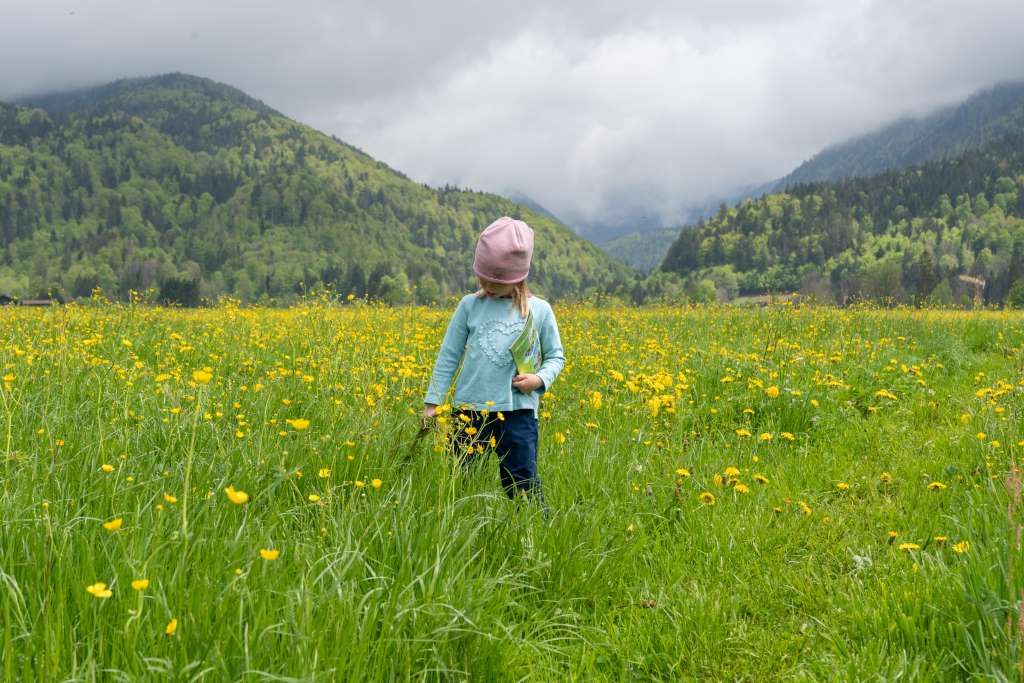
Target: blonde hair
x: 520, y: 295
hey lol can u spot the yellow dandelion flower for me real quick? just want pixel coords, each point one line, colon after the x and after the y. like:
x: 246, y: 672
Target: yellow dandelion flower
x: 961, y: 547
x: 140, y: 584
x: 313, y: 498
x: 235, y: 496
x: 359, y: 483
x: 788, y: 436
x: 269, y: 555
x: 298, y: 424
x: 765, y: 436
x: 842, y: 486
x: 760, y: 479
x: 202, y: 376
x: 707, y: 498
x: 885, y: 477
x: 683, y: 472
x: 940, y: 539
x: 772, y: 391
x: 170, y: 499
x: 107, y: 467
x: 909, y: 547
x: 114, y: 524
x: 732, y: 472
x: 324, y: 472
x: 742, y: 432
x: 936, y: 486
x: 172, y: 627
x: 376, y: 483
x: 99, y: 590
x: 741, y: 488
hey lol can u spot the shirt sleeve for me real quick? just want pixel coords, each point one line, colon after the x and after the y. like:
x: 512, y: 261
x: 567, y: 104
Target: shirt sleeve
x: 551, y: 350
x: 448, y: 357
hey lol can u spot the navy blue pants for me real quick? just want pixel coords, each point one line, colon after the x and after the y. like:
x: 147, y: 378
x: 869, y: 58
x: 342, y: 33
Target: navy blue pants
x: 515, y: 443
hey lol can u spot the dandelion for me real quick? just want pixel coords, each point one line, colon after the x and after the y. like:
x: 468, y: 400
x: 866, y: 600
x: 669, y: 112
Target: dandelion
x: 741, y: 488
x: 732, y: 472
x: 140, y: 584
x: 324, y: 472
x: 742, y: 432
x: 235, y: 496
x: 114, y: 524
x: 885, y: 477
x: 107, y: 467
x: 595, y: 400
x: 788, y: 436
x: 313, y: 498
x: 772, y: 391
x: 885, y: 393
x: 298, y: 424
x: 760, y: 479
x: 940, y: 539
x: 172, y: 627
x: 376, y: 483
x: 99, y: 590
x: 805, y: 509
x: 842, y: 486
x: 936, y: 486
x: 683, y: 472
x: 171, y: 500
x: 202, y: 376
x: 961, y: 547
x: 707, y: 498
x: 359, y: 483
x: 269, y: 555
x: 765, y: 436
x: 908, y: 547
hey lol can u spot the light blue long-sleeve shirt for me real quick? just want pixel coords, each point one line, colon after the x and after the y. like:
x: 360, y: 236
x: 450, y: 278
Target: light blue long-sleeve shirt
x: 482, y: 329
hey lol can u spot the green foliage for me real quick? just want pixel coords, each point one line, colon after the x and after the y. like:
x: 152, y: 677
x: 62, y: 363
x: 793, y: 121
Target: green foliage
x: 1016, y: 295
x: 174, y: 180
x: 642, y: 251
x: 893, y: 237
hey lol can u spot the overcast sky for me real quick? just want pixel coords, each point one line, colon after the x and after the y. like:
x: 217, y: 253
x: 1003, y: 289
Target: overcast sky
x: 594, y: 108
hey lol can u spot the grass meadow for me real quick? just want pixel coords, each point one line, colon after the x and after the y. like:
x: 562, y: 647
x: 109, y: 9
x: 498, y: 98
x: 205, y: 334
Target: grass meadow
x: 736, y: 494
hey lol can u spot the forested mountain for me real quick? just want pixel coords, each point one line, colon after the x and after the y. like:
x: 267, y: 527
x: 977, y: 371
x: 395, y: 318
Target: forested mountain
x: 982, y: 118
x: 642, y: 251
x: 904, y: 234
x: 194, y: 189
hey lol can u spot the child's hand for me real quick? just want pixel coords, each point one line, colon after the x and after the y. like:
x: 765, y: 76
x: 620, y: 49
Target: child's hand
x: 527, y: 383
x: 428, y: 416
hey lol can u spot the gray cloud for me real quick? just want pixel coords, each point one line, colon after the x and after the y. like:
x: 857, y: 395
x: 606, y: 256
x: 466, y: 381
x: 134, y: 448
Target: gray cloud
x: 597, y: 110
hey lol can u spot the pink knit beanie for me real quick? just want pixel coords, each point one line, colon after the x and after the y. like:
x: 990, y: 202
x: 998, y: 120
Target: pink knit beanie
x: 503, y: 251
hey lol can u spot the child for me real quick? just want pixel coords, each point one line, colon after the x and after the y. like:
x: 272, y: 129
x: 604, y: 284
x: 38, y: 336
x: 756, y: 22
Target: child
x: 494, y: 400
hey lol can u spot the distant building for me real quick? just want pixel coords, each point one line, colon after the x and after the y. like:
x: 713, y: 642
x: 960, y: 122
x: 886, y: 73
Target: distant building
x: 36, y: 302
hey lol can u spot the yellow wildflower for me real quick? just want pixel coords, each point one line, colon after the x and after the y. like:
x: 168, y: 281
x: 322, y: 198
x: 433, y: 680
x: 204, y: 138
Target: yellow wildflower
x: 235, y: 496
x: 114, y: 524
x: 99, y: 590
x: 269, y: 555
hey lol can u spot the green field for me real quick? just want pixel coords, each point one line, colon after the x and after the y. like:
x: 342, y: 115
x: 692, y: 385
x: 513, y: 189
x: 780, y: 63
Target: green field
x: 770, y: 494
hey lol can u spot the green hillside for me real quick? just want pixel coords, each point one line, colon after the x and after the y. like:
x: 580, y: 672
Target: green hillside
x: 977, y: 121
x: 642, y: 251
x: 906, y: 235
x: 196, y: 190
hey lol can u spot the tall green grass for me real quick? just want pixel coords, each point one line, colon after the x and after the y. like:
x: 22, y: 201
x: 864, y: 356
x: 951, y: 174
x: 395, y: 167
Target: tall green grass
x: 435, y: 575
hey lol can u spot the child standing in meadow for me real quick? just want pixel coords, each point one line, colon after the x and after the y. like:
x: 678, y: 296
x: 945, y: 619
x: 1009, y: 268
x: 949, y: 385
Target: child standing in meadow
x: 497, y: 406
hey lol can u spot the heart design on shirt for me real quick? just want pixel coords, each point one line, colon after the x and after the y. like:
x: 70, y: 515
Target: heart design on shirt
x: 496, y: 336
